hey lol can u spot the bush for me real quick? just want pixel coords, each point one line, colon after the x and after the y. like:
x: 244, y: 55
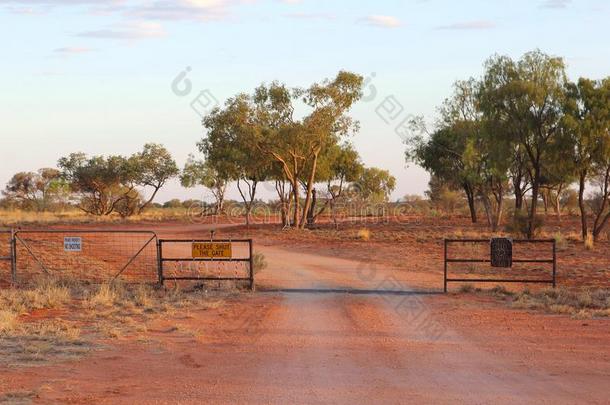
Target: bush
x: 260, y: 263
x: 364, y: 234
x: 519, y: 224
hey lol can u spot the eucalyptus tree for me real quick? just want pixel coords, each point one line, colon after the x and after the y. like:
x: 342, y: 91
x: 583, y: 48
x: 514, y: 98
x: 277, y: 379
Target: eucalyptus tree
x: 36, y: 190
x: 153, y: 167
x: 442, y: 153
x: 105, y: 184
x: 338, y: 167
x: 199, y: 173
x: 586, y: 124
x: 296, y: 144
x: 526, y: 98
x: 100, y: 183
x: 230, y: 147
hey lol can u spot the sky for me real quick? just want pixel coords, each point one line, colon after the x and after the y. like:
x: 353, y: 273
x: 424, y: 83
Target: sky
x: 108, y: 76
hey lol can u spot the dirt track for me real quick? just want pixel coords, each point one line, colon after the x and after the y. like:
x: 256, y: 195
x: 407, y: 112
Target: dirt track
x: 307, y: 344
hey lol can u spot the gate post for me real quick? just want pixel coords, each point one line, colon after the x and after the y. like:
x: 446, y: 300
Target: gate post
x: 160, y: 261
x: 13, y: 256
x: 554, y: 263
x: 251, y: 265
x: 445, y: 267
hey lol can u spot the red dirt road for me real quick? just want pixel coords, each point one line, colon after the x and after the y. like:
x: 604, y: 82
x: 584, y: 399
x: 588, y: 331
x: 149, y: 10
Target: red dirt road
x: 306, y: 344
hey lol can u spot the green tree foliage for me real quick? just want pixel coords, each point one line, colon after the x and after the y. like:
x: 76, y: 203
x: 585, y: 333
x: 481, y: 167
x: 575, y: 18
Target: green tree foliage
x: 522, y: 126
x: 200, y: 173
x: 229, y: 145
x: 152, y: 168
x: 39, y: 191
x: 104, y: 185
x: 524, y: 101
x: 375, y: 185
x: 257, y: 137
x: 586, y: 126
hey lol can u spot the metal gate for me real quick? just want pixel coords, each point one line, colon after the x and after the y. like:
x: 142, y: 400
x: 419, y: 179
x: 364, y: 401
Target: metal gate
x: 85, y: 255
x: 483, y: 263
x: 7, y: 264
x: 188, y: 260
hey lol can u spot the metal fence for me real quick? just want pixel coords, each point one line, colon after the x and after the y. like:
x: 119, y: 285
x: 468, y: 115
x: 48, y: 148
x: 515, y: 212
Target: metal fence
x: 178, y: 262
x: 85, y: 255
x: 532, y: 261
x: 131, y: 256
x: 6, y: 258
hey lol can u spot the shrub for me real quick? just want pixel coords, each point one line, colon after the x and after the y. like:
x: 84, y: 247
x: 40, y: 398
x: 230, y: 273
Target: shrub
x: 364, y: 234
x: 519, y: 224
x: 560, y: 241
x: 260, y: 263
x: 466, y: 288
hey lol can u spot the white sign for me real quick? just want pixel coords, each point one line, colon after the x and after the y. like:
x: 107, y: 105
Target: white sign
x: 73, y: 244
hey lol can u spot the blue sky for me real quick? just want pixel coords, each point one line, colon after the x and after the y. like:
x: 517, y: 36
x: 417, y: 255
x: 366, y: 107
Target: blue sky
x: 96, y: 76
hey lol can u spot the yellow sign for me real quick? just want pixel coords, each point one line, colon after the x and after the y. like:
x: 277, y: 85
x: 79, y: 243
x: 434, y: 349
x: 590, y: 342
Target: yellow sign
x: 211, y: 249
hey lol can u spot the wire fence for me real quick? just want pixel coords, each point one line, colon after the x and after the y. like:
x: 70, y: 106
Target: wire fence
x: 95, y: 256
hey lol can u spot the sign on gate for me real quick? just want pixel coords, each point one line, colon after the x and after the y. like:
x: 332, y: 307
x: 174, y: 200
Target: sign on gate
x: 211, y: 249
x: 501, y: 252
x: 73, y: 244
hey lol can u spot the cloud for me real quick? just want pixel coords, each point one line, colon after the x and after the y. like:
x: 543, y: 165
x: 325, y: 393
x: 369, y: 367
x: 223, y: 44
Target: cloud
x: 68, y: 50
x: 311, y: 16
x: 141, y: 30
x: 384, y: 21
x: 469, y: 25
x: 200, y: 10
x: 555, y: 4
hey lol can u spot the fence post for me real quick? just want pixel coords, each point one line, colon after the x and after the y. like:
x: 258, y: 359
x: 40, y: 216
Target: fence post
x: 445, y: 267
x: 554, y: 262
x: 251, y: 265
x: 160, y: 261
x: 13, y: 257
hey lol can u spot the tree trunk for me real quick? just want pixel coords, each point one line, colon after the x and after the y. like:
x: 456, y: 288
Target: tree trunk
x: 487, y: 206
x: 310, y: 182
x: 581, y: 204
x: 534, y: 205
x: 295, y: 196
x: 471, y: 203
x: 545, y: 197
x: 518, y: 194
x: 600, y: 218
x: 311, y: 218
x: 499, y: 208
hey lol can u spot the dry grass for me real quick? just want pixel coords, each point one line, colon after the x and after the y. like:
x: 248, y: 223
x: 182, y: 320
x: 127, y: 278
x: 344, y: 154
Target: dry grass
x: 18, y: 397
x: 8, y: 321
x: 364, y: 234
x: 583, y: 303
x: 13, y: 217
x: 88, y: 313
x: 589, y: 245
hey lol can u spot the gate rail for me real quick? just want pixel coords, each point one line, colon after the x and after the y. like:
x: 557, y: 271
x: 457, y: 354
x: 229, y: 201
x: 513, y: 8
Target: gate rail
x: 249, y: 259
x: 552, y: 261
